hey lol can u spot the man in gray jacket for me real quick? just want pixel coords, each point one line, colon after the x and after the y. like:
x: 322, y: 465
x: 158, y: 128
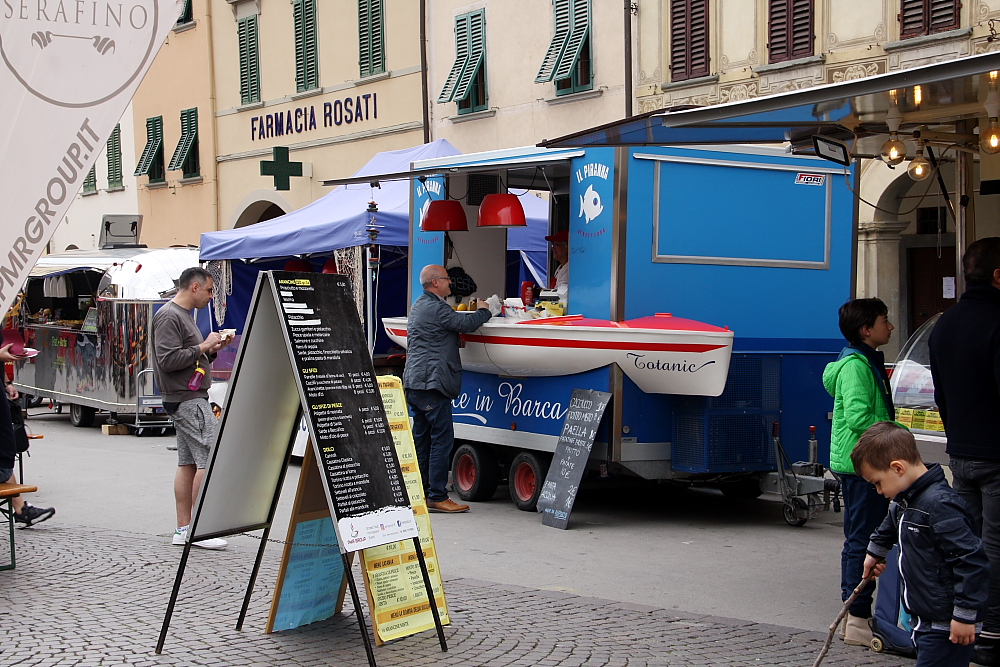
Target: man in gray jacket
x: 433, y: 377
x: 182, y: 369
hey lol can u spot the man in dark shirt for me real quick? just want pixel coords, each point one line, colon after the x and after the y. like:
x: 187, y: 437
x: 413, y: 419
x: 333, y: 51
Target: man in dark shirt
x: 182, y: 369
x: 965, y: 364
x: 433, y: 377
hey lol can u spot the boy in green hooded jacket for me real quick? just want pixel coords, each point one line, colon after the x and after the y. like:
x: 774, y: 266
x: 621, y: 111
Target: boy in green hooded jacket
x: 859, y: 385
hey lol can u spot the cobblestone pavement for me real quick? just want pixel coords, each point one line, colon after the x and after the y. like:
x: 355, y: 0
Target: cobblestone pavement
x: 95, y: 597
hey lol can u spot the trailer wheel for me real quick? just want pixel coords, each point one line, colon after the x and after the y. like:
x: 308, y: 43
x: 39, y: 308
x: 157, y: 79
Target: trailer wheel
x: 475, y: 472
x: 796, y: 512
x: 747, y: 488
x: 81, y: 415
x: 527, y: 474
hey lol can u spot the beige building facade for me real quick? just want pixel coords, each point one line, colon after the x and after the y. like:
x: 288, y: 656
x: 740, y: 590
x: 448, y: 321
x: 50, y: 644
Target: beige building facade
x: 704, y: 52
x: 333, y: 82
x: 519, y: 103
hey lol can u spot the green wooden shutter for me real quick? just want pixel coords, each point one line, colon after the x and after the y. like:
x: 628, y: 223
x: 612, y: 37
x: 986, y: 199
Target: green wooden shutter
x: 461, y: 58
x: 154, y: 142
x: 371, y: 37
x: 90, y: 182
x: 477, y: 53
x: 115, y: 158
x: 564, y: 23
x: 186, y: 14
x: 249, y: 60
x: 577, y: 39
x: 306, y: 60
x: 189, y: 136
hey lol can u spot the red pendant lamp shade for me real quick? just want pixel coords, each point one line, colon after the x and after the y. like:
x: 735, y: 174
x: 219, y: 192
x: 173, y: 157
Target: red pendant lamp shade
x: 330, y: 266
x: 503, y: 210
x: 445, y: 215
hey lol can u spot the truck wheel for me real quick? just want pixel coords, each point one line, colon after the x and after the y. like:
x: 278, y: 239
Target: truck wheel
x: 475, y: 472
x: 527, y: 475
x: 747, y: 488
x: 81, y: 415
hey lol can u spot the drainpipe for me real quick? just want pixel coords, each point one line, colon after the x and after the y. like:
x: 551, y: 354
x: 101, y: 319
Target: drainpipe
x: 425, y: 101
x: 628, y: 58
x: 212, y: 106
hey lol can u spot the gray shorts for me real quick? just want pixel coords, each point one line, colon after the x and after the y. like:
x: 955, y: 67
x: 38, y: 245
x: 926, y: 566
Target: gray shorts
x: 5, y: 474
x: 195, y: 425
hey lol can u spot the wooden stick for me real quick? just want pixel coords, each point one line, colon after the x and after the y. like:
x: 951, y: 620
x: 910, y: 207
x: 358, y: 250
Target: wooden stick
x: 843, y: 612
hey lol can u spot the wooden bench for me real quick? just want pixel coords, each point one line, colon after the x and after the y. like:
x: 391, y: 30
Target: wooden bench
x: 7, y: 494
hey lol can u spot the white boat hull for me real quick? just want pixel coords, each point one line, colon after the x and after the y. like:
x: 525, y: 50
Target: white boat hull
x: 659, y: 361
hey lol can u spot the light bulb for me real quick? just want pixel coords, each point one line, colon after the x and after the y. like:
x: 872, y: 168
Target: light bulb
x: 989, y: 140
x: 893, y: 151
x: 919, y: 169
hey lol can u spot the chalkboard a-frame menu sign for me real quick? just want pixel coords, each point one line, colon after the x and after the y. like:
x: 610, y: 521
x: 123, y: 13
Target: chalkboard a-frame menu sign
x: 344, y: 413
x: 303, y: 351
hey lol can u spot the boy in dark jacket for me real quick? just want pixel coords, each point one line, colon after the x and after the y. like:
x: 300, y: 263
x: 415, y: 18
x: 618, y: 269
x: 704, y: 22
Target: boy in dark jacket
x: 942, y: 562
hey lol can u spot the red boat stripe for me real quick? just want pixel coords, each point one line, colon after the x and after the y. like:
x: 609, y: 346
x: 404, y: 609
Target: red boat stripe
x: 585, y: 344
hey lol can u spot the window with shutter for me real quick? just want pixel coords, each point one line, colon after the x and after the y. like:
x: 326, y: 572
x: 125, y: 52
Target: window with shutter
x: 923, y: 17
x: 790, y: 30
x: 249, y: 60
x: 568, y: 60
x: 688, y: 39
x: 306, y: 55
x: 371, y: 37
x: 466, y: 82
x: 187, y: 15
x: 186, y: 154
x: 90, y: 182
x: 115, y: 159
x: 151, y: 160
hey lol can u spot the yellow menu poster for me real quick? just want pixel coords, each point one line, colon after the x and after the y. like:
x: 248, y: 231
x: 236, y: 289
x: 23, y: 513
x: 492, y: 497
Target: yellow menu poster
x: 396, y: 592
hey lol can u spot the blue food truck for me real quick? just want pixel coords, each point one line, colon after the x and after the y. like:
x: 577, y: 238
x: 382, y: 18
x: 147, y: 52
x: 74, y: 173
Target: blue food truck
x: 674, y: 254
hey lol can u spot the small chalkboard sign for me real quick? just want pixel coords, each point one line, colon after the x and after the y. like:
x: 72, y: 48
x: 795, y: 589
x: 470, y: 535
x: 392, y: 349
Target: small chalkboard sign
x: 555, y: 502
x: 344, y: 411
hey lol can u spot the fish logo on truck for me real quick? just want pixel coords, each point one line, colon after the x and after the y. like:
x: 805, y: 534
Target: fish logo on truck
x: 590, y: 204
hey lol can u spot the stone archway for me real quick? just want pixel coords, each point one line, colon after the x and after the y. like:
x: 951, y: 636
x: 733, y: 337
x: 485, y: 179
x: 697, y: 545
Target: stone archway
x: 258, y: 206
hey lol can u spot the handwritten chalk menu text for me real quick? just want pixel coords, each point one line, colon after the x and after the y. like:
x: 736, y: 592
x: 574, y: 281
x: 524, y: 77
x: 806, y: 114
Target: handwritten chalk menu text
x: 583, y: 416
x: 344, y: 410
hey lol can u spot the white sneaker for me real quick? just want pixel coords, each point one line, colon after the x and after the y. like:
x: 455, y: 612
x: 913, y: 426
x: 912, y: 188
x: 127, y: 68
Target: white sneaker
x: 180, y: 538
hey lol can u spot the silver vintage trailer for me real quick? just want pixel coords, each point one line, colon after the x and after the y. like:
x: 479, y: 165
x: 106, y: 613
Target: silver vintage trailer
x: 88, y: 313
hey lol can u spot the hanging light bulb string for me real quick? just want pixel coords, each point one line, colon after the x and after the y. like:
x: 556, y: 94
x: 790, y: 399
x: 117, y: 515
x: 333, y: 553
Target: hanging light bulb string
x: 847, y: 180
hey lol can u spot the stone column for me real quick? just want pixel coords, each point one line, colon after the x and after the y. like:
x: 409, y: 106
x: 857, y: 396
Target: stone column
x: 879, y: 271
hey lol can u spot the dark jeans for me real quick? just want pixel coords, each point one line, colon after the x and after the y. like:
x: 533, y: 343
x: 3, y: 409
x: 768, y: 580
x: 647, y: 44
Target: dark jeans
x: 978, y: 483
x: 934, y: 649
x: 434, y: 438
x: 864, y: 510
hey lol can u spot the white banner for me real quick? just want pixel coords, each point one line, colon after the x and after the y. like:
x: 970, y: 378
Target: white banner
x: 69, y: 69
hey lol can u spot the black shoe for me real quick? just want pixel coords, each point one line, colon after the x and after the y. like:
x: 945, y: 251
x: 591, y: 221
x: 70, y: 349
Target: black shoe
x: 986, y: 653
x: 30, y: 515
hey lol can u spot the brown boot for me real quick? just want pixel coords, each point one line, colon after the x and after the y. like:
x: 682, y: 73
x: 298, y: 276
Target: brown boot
x: 858, y: 632
x: 843, y: 629
x: 447, y: 505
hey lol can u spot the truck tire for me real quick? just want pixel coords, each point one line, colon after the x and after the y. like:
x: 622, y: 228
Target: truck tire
x: 527, y: 475
x: 475, y: 472
x: 81, y: 415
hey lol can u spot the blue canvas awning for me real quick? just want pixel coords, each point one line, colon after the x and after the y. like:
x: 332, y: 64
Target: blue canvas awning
x: 950, y: 91
x: 336, y: 220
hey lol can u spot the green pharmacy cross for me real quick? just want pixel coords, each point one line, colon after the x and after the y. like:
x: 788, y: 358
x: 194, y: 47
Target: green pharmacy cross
x: 280, y: 168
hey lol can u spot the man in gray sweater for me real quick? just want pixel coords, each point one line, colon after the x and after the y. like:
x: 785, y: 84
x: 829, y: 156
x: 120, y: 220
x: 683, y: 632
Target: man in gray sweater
x: 182, y: 369
x: 433, y: 376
